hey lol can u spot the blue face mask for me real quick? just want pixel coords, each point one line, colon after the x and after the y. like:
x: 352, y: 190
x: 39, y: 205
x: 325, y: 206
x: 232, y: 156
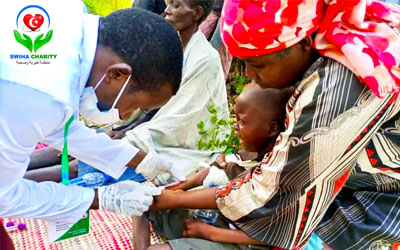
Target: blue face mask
x: 88, y: 105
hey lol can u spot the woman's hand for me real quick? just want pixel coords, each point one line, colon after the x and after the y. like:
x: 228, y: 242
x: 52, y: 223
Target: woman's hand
x: 198, y: 229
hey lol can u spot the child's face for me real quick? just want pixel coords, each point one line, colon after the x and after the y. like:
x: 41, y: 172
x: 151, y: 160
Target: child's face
x: 252, y: 127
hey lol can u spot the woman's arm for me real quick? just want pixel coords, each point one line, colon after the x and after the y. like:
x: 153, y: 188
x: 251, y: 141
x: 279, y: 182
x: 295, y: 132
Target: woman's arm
x: 198, y: 229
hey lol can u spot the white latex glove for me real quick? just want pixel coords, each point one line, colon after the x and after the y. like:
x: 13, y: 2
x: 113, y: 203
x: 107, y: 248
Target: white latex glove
x: 162, y: 179
x: 127, y: 197
x: 215, y: 177
x: 153, y: 165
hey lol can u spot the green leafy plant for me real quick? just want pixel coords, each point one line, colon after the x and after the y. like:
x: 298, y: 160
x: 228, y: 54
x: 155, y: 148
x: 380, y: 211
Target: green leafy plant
x: 238, y: 84
x: 211, y: 137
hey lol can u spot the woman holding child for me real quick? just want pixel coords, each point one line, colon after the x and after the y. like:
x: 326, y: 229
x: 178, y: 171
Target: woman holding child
x: 334, y: 170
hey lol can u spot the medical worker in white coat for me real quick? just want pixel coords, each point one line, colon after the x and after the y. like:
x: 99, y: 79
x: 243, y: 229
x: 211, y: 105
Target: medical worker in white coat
x: 130, y: 59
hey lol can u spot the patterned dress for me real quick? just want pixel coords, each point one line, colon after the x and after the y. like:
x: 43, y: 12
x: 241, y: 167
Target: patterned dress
x: 336, y: 130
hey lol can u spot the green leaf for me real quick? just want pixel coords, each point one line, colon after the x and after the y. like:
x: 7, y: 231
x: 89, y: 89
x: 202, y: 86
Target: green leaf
x: 39, y: 42
x: 202, y: 145
x: 27, y: 42
x: 200, y: 125
x: 203, y: 132
x: 222, y: 122
x: 212, y: 109
x: 215, y: 135
x: 212, y: 130
x: 213, y: 119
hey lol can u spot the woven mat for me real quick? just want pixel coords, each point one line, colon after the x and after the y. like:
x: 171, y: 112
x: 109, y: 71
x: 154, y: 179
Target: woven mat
x: 107, y: 231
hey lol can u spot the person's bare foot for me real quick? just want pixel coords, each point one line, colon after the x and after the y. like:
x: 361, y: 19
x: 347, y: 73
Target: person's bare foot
x: 140, y: 232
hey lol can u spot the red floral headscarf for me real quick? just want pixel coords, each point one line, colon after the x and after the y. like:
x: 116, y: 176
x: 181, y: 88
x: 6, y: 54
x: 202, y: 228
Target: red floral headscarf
x: 361, y: 34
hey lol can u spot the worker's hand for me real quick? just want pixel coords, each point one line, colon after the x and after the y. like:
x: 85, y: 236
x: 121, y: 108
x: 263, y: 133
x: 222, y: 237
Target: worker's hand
x: 153, y: 165
x: 115, y: 135
x: 167, y: 200
x: 127, y: 197
x: 197, y: 229
x: 215, y: 177
x: 162, y: 179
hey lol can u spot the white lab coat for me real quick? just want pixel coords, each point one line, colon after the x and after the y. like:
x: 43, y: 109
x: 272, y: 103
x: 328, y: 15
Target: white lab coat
x: 173, y: 131
x: 35, y: 103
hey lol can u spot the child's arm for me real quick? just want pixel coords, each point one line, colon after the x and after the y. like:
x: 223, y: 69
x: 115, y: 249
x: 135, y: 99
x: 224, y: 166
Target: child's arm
x: 195, y: 199
x: 198, y: 229
x: 199, y: 199
x: 193, y: 181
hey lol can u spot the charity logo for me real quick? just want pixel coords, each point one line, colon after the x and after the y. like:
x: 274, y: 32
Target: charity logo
x: 33, y: 28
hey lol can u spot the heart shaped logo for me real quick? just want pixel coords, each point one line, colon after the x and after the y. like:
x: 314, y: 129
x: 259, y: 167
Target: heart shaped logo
x: 33, y: 22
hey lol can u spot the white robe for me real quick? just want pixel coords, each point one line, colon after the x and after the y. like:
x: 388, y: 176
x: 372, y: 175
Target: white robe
x: 35, y: 103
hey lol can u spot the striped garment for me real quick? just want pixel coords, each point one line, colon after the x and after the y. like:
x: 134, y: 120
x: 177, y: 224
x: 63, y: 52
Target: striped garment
x: 330, y: 121
x: 366, y: 213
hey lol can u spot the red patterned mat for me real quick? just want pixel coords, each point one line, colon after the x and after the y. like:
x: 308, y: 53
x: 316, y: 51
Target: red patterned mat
x: 107, y: 231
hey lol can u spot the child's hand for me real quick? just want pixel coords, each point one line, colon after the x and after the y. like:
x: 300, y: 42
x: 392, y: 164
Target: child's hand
x: 200, y: 176
x: 221, y: 161
x: 192, y: 181
x: 167, y: 200
x: 197, y: 229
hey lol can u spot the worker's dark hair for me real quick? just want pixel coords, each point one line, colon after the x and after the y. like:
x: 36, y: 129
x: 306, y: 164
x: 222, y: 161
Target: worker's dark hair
x: 205, y: 4
x: 148, y: 43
